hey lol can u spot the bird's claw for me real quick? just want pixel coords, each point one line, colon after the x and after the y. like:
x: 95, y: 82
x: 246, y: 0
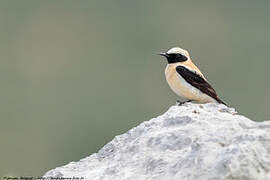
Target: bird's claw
x: 179, y: 103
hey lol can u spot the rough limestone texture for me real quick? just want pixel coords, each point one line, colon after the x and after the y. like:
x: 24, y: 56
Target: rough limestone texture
x: 188, y: 142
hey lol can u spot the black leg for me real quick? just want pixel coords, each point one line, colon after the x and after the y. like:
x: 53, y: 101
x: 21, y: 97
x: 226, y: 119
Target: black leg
x: 179, y: 103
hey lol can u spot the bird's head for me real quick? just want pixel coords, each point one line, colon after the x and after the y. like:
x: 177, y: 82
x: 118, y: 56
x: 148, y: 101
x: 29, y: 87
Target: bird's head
x: 175, y: 55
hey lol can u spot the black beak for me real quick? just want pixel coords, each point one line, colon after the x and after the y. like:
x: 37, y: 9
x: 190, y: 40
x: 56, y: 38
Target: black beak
x: 164, y: 54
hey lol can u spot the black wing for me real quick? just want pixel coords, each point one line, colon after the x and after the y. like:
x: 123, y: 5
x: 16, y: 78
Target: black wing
x: 198, y: 82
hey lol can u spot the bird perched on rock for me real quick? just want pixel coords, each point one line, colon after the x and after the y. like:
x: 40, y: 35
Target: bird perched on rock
x: 185, y: 78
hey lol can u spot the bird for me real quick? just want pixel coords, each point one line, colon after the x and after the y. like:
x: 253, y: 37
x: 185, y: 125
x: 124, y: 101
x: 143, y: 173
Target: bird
x: 186, y: 80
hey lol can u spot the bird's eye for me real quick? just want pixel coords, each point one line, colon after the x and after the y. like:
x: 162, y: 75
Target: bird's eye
x: 177, y: 58
x: 173, y: 56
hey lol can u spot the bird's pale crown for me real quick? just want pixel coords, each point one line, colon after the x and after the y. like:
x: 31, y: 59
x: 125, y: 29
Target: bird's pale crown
x: 178, y: 50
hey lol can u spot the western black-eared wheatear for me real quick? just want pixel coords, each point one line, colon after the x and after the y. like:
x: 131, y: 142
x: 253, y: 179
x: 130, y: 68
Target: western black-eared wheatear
x: 186, y: 80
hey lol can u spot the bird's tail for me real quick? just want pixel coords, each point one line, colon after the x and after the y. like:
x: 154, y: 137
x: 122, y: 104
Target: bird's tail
x: 220, y: 101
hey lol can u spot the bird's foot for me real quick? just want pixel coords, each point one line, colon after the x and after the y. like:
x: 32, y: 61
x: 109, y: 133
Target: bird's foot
x: 179, y: 103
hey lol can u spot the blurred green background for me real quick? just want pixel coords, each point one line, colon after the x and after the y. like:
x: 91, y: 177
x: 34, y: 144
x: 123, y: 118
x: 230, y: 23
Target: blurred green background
x: 76, y: 73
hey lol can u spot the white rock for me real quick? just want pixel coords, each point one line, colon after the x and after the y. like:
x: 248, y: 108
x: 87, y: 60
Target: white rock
x: 188, y: 142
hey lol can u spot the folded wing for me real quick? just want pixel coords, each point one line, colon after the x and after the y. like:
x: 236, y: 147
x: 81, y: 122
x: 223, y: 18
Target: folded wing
x: 198, y: 82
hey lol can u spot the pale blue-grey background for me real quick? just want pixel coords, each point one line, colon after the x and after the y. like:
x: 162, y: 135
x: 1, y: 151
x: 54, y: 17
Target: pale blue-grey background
x: 76, y: 73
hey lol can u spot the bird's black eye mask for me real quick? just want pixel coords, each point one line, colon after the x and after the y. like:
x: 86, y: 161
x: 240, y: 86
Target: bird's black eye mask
x: 174, y: 58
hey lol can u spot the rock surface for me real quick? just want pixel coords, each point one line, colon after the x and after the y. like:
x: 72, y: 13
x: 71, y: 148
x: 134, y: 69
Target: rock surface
x: 188, y: 142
